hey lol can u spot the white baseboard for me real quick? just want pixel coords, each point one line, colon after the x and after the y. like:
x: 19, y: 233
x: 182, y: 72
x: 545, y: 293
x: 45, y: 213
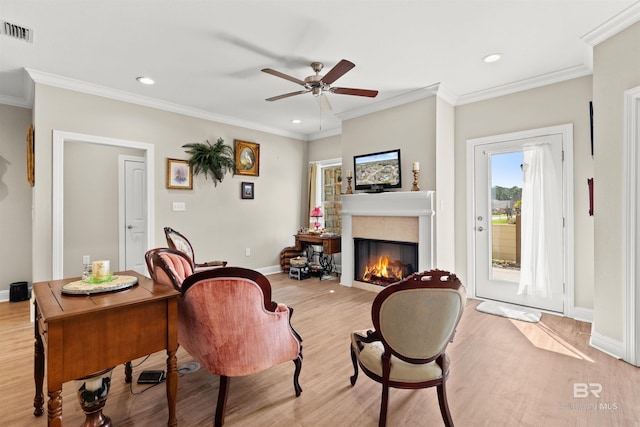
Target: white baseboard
x: 274, y: 269
x: 583, y: 314
x: 4, y: 296
x: 605, y: 344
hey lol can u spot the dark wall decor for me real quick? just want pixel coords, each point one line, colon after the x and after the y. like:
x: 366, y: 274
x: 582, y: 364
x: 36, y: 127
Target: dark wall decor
x: 591, y: 123
x: 590, y: 184
x: 246, y: 190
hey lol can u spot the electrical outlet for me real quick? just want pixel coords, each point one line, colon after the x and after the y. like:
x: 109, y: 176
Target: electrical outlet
x: 179, y: 206
x: 247, y: 252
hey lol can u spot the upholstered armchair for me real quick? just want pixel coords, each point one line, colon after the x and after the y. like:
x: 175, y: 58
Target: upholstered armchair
x: 228, y: 323
x: 178, y: 241
x: 414, y: 320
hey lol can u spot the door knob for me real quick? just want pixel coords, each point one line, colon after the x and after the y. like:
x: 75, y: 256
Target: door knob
x: 480, y: 228
x: 129, y: 227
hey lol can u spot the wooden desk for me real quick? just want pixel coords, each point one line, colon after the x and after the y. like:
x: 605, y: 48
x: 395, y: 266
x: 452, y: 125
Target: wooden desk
x: 330, y: 244
x: 85, y: 334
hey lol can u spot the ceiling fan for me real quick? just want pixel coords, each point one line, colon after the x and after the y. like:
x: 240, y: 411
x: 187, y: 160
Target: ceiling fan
x: 317, y: 84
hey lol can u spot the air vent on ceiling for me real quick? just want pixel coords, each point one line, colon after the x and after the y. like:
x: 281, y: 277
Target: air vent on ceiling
x: 16, y: 31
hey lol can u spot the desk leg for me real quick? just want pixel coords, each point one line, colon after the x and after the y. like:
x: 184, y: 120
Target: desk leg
x: 172, y: 386
x: 55, y: 406
x: 38, y: 370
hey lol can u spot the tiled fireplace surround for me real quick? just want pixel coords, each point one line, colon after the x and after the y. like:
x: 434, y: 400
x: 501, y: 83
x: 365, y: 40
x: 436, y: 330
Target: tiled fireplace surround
x: 405, y: 216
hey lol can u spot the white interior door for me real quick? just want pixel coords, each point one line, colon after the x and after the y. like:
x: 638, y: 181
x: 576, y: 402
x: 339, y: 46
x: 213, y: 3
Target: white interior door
x: 135, y: 214
x: 499, y: 175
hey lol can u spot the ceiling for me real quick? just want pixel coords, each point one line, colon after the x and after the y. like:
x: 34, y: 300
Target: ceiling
x: 206, y: 56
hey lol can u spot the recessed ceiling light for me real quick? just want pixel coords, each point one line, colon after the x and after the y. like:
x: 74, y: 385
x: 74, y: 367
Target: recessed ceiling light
x: 145, y: 80
x: 492, y: 57
x: 296, y: 121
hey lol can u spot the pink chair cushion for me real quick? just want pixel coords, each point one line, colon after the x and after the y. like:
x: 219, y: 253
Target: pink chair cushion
x: 178, y: 265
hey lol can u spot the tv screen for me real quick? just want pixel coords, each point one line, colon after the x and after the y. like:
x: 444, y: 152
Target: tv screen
x: 376, y: 172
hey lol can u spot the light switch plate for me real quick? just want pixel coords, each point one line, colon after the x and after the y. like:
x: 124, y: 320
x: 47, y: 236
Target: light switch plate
x: 179, y: 206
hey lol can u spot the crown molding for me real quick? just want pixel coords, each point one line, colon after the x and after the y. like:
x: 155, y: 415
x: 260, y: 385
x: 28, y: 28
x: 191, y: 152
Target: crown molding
x: 526, y: 84
x: 15, y: 101
x: 105, y: 92
x: 324, y: 134
x: 25, y: 101
x: 395, y: 101
x: 613, y: 26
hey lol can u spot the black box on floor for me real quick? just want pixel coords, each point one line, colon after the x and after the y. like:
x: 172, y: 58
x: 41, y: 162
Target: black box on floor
x: 18, y: 291
x: 151, y: 377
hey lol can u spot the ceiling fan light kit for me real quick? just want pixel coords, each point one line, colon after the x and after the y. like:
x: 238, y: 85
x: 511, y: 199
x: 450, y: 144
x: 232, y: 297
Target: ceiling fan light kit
x: 317, y: 84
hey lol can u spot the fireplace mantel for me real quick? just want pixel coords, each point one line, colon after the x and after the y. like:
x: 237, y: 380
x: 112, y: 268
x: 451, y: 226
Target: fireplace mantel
x: 391, y: 204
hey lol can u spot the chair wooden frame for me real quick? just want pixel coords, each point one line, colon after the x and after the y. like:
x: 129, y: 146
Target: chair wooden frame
x: 168, y: 232
x: 154, y: 258
x: 434, y: 279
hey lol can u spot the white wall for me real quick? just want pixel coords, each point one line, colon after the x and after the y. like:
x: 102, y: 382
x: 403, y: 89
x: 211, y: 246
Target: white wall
x: 616, y: 68
x: 218, y: 222
x: 15, y: 198
x: 410, y: 127
x: 444, y: 204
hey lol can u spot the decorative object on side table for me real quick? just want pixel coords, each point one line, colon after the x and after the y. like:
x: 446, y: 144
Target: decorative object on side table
x: 246, y: 190
x: 92, y: 393
x: 416, y: 174
x: 247, y: 158
x: 211, y: 159
x: 349, y: 178
x: 316, y: 213
x: 179, y: 174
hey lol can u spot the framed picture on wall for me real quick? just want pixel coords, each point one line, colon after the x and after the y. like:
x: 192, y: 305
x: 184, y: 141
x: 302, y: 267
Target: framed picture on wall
x: 246, y: 190
x: 179, y: 174
x: 31, y: 174
x: 247, y: 158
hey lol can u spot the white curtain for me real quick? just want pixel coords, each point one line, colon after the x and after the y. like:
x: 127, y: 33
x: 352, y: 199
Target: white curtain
x: 541, y: 221
x: 311, y: 203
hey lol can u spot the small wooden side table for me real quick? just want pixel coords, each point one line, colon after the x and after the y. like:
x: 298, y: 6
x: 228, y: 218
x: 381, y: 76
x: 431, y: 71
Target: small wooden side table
x: 79, y: 335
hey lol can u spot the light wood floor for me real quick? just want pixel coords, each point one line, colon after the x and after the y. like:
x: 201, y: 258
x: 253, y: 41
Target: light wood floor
x: 504, y: 373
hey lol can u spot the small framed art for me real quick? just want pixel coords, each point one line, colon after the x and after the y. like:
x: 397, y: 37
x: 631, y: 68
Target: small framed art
x: 247, y: 158
x: 31, y: 177
x: 246, y: 190
x: 179, y: 174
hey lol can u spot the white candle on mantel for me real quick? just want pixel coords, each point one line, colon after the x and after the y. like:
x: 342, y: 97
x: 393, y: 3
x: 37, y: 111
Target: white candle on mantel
x: 349, y: 173
x: 416, y: 166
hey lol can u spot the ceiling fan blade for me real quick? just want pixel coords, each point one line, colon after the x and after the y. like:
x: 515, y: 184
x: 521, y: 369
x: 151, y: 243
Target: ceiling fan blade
x: 323, y: 101
x: 286, y: 95
x: 282, y: 75
x: 338, y: 71
x: 357, y: 92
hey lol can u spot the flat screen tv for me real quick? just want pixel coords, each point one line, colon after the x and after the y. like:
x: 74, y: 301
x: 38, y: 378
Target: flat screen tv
x: 377, y: 172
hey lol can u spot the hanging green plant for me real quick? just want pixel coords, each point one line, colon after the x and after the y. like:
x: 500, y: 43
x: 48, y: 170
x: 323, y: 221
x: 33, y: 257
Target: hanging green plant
x: 211, y: 159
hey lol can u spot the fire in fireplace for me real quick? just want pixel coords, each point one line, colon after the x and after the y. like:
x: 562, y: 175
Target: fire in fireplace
x: 383, y: 262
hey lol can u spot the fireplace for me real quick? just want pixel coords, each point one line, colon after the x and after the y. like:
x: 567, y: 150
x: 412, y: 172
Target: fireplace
x: 402, y: 216
x: 383, y: 262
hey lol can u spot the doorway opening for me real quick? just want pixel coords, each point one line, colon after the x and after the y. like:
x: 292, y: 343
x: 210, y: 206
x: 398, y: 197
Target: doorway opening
x: 520, y: 192
x: 60, y: 140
